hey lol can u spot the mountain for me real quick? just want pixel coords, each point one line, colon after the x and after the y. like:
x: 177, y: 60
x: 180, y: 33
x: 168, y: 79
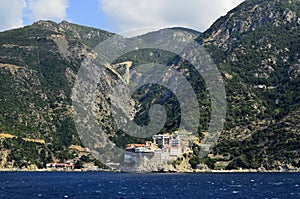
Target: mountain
x: 38, y: 65
x: 255, y: 46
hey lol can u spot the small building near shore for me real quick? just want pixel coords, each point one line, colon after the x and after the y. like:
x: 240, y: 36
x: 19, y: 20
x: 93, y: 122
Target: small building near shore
x: 55, y: 165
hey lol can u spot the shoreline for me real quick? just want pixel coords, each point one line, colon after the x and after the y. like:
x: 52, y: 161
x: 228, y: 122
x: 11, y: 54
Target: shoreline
x: 169, y: 172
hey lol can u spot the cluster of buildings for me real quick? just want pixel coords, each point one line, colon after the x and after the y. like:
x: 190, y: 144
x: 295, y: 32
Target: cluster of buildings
x: 163, y: 147
x: 64, y: 166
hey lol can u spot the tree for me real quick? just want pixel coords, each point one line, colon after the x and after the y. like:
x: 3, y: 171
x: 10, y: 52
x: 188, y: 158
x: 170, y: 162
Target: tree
x: 78, y: 165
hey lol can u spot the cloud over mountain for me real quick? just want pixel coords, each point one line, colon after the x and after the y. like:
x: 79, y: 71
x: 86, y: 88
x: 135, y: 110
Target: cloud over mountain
x: 197, y: 14
x: 121, y: 15
x: 11, y: 12
x: 45, y: 9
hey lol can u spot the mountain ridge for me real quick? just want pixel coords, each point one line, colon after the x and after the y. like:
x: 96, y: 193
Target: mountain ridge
x: 255, y: 46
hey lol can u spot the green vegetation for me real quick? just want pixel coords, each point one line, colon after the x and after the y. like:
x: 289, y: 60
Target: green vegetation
x: 256, y: 52
x: 23, y: 153
x: 35, y: 98
x: 150, y: 94
x: 195, y: 161
x: 263, y: 92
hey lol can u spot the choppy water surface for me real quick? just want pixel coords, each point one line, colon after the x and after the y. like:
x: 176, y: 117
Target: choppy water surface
x: 127, y: 185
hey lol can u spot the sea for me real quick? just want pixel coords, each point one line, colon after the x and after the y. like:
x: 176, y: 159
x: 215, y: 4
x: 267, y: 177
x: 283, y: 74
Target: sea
x: 151, y: 185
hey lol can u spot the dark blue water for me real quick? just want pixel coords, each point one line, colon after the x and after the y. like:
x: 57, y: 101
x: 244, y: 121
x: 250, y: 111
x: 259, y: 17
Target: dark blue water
x: 126, y: 185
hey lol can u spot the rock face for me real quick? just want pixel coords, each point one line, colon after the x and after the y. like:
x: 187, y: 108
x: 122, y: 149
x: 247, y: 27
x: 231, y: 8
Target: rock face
x: 251, y: 16
x: 256, y: 47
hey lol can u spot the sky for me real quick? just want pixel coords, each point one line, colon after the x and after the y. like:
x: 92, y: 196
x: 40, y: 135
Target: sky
x: 116, y: 15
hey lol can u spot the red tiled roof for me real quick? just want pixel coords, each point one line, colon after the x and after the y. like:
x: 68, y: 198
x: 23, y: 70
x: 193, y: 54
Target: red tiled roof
x: 135, y: 145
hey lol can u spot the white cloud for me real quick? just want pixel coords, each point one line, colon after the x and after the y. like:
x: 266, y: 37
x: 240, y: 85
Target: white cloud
x: 125, y: 15
x: 47, y: 9
x: 11, y: 12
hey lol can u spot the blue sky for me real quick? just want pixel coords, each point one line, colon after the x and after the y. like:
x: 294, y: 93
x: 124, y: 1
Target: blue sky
x: 89, y: 14
x: 116, y: 15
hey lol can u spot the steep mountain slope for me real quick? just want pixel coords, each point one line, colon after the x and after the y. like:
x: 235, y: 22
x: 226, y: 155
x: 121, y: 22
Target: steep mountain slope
x: 256, y: 46
x: 37, y: 65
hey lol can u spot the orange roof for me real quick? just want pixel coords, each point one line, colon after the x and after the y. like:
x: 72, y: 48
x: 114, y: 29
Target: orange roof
x: 135, y: 145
